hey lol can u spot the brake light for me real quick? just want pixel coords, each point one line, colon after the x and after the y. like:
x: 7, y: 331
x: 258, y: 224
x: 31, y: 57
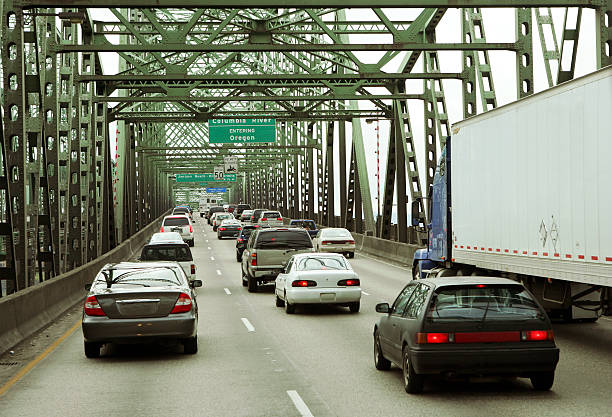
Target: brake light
x: 536, y: 335
x: 350, y: 242
x: 240, y: 240
x: 264, y: 219
x: 161, y: 230
x: 303, y: 283
x: 348, y: 282
x: 280, y: 218
x: 190, y: 229
x: 325, y: 242
x: 183, y: 304
x: 222, y: 228
x: 92, y: 308
x: 192, y: 269
x: 424, y: 338
x: 256, y: 226
x: 253, y: 259
x: 481, y: 286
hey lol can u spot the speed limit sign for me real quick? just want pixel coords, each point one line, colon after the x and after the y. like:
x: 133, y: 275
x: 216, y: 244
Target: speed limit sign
x: 219, y: 173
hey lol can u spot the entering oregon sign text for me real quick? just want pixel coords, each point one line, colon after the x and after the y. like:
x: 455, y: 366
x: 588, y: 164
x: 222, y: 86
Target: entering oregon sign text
x: 241, y: 130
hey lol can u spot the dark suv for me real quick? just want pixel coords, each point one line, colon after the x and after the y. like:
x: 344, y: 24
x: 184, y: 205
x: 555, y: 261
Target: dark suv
x: 216, y: 209
x: 240, y: 208
x: 268, y: 252
x: 242, y: 240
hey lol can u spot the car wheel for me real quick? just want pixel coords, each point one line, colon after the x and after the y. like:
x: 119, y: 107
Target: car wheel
x: 354, y: 307
x: 191, y: 243
x: 252, y: 284
x: 289, y: 308
x: 279, y: 302
x: 351, y: 255
x: 219, y: 237
x: 543, y: 381
x: 413, y: 382
x: 190, y: 345
x: 380, y: 362
x: 92, y: 349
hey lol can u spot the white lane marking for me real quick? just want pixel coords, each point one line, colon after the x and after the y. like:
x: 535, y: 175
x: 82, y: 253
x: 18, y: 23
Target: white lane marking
x: 209, y: 248
x: 206, y: 240
x: 364, y: 293
x: 212, y: 258
x: 299, y: 403
x: 218, y: 272
x: 383, y: 262
x: 227, y: 291
x: 606, y: 318
x: 247, y: 324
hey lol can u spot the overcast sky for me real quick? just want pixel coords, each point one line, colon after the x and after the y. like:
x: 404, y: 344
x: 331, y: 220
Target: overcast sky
x: 499, y: 27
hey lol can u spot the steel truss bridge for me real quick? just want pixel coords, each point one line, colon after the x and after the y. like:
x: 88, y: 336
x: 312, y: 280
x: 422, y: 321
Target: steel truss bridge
x: 64, y: 200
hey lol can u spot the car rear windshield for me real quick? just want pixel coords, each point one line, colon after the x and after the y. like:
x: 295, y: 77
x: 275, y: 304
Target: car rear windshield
x: 176, y: 221
x: 321, y: 263
x: 179, y: 253
x: 283, y: 239
x: 337, y: 233
x: 216, y: 209
x: 223, y: 216
x: 181, y: 210
x: 246, y: 231
x: 272, y: 214
x: 244, y: 206
x: 482, y: 302
x: 304, y: 223
x: 147, y: 277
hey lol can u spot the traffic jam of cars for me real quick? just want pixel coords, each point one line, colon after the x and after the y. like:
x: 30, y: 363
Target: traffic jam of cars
x: 451, y: 326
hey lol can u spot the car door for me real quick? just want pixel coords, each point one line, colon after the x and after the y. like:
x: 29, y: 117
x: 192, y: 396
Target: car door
x: 389, y: 331
x: 315, y: 241
x: 283, y: 278
x: 246, y: 255
x: 411, y: 323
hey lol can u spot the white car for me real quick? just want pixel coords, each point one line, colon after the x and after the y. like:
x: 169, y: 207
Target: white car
x: 245, y: 216
x: 318, y: 278
x: 336, y: 240
x: 166, y: 237
x: 270, y: 219
x: 218, y: 217
x: 180, y: 224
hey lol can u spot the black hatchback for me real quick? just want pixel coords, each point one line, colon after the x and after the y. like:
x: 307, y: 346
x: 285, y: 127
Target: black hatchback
x: 466, y: 326
x: 242, y: 240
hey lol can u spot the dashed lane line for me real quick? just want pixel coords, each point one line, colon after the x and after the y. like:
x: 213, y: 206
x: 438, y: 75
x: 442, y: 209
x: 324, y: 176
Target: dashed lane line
x: 209, y: 248
x: 212, y: 258
x: 218, y: 272
x: 299, y: 403
x: 247, y: 324
x: 364, y: 293
x: 227, y: 291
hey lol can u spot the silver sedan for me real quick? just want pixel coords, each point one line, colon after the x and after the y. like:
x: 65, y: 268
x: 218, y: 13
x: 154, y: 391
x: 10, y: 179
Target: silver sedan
x: 318, y: 278
x: 139, y: 302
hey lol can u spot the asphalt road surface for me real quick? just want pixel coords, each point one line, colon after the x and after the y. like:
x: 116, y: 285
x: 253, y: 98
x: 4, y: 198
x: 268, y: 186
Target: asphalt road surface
x: 255, y: 360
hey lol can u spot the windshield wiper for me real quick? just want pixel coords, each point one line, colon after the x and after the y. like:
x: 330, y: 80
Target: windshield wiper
x: 484, y: 316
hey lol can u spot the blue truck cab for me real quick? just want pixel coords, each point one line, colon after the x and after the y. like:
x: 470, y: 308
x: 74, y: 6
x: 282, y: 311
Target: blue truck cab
x: 438, y: 251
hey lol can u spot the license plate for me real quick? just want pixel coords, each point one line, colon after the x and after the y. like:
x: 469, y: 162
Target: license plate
x: 328, y: 296
x: 177, y: 229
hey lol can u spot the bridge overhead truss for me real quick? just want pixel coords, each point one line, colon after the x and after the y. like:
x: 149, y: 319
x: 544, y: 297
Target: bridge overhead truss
x: 68, y: 193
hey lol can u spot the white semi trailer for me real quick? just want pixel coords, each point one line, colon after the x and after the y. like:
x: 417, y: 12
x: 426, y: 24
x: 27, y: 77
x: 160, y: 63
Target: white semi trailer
x: 525, y: 191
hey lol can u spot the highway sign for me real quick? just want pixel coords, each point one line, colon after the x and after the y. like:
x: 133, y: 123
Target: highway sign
x: 242, y: 130
x: 216, y: 190
x: 231, y: 164
x: 203, y: 177
x: 219, y: 172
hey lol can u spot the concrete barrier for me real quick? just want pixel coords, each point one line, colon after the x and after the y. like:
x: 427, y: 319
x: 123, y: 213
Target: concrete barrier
x: 27, y: 311
x: 402, y: 253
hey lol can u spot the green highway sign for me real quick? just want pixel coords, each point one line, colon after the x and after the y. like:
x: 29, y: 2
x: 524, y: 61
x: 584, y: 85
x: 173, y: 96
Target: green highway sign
x: 241, y: 130
x: 204, y: 178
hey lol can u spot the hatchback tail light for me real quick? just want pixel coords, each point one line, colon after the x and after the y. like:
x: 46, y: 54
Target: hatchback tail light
x: 253, y: 259
x: 303, y: 283
x: 92, y: 308
x: 161, y: 229
x: 424, y: 338
x: 349, y: 282
x: 183, y: 304
x: 350, y: 242
x: 264, y: 219
x: 537, y: 335
x: 222, y: 228
x: 192, y: 269
x: 190, y: 229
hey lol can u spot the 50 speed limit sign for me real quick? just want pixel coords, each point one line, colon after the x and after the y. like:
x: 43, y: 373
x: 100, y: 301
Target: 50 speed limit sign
x: 219, y: 173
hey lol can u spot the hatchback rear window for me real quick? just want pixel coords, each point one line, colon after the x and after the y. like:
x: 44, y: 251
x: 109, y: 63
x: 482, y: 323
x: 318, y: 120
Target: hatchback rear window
x: 337, y: 233
x: 284, y: 239
x: 483, y: 302
x: 176, y: 221
x: 178, y: 253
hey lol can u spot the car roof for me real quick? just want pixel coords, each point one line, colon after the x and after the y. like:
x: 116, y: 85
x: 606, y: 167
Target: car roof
x: 335, y: 228
x: 167, y: 242
x: 283, y: 229
x: 177, y: 216
x: 142, y: 265
x: 166, y: 236
x: 326, y: 254
x: 469, y: 280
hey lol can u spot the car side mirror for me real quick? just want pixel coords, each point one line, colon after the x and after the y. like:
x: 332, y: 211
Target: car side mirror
x: 196, y: 283
x: 382, y: 308
x: 87, y: 287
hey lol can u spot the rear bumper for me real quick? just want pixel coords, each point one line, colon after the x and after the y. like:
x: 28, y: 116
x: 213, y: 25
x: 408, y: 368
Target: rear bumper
x: 323, y: 295
x: 104, y: 329
x: 228, y: 233
x: 516, y: 362
x: 268, y: 274
x: 337, y: 248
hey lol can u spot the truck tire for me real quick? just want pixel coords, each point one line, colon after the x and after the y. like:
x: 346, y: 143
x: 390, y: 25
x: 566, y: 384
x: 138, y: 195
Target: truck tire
x: 252, y: 284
